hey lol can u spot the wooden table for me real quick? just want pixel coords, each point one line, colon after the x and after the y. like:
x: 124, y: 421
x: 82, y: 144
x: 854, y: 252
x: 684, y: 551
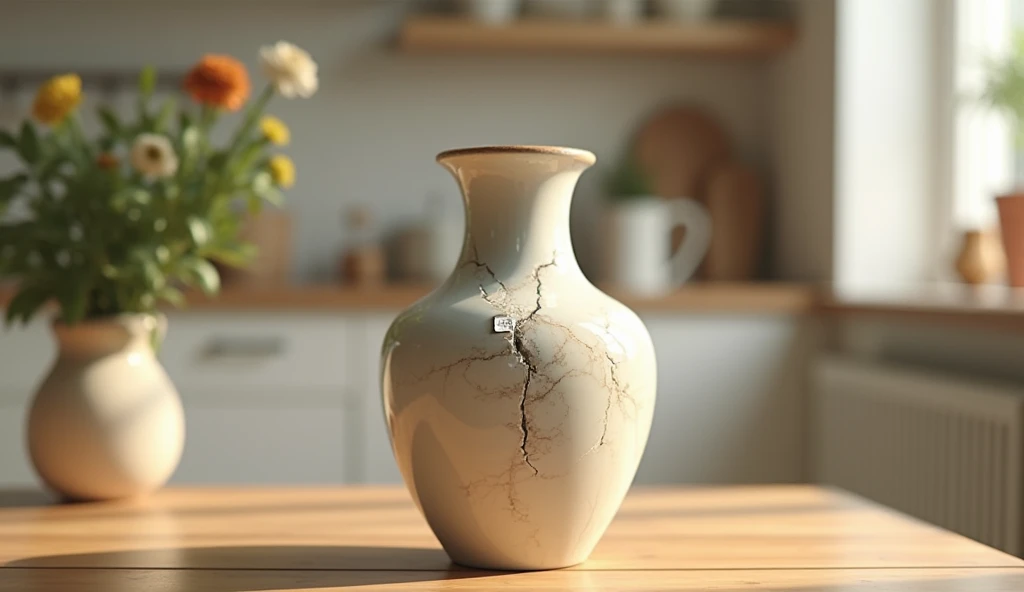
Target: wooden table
x: 800, y: 538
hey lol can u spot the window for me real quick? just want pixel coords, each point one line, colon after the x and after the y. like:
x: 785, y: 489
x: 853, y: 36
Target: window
x: 985, y: 160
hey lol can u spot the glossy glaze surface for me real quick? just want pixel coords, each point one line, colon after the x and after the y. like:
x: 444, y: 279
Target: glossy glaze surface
x: 106, y: 422
x: 518, y: 445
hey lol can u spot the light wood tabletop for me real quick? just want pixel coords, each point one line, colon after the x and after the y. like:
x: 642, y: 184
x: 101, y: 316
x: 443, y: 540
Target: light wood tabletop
x: 788, y: 537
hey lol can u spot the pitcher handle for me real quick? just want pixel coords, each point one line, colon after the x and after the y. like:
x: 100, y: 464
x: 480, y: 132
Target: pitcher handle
x: 695, y: 218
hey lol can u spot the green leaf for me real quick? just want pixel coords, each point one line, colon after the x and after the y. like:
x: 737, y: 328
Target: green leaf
x: 172, y: 295
x: 7, y: 140
x: 199, y: 230
x: 154, y: 276
x: 110, y: 122
x: 50, y: 168
x: 261, y: 182
x: 73, y: 301
x: 255, y: 204
x: 190, y: 140
x: 263, y: 187
x: 205, y: 274
x: 234, y: 255
x: 29, y: 299
x: 147, y: 81
x: 10, y: 187
x: 28, y: 143
x: 184, y: 121
x: 163, y: 117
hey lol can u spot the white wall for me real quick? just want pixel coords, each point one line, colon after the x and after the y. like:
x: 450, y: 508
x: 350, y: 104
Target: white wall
x: 370, y: 135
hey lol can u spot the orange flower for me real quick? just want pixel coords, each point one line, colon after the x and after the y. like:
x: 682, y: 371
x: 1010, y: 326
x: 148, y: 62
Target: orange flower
x: 107, y: 161
x: 220, y: 81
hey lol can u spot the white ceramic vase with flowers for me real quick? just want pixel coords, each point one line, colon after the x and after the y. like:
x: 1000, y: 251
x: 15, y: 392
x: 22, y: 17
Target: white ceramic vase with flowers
x: 111, y: 227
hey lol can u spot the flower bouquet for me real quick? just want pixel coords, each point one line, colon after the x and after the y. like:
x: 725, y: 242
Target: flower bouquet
x: 109, y: 228
x: 119, y: 223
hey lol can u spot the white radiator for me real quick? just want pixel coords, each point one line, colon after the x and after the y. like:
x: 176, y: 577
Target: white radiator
x: 946, y: 450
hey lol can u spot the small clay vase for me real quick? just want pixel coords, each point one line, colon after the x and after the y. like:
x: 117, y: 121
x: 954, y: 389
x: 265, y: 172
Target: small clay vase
x: 980, y: 260
x: 106, y: 422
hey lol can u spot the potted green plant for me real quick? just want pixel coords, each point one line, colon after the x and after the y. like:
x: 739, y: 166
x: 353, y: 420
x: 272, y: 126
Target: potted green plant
x: 106, y: 229
x: 1004, y: 91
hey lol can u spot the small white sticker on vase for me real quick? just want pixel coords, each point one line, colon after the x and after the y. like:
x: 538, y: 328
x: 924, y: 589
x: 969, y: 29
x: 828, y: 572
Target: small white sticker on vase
x: 504, y: 324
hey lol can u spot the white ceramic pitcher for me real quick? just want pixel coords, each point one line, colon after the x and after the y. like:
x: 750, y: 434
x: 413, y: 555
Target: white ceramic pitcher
x: 638, y: 244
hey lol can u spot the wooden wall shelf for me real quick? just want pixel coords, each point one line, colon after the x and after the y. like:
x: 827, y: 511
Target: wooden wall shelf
x: 746, y: 38
x: 704, y: 298
x: 766, y: 298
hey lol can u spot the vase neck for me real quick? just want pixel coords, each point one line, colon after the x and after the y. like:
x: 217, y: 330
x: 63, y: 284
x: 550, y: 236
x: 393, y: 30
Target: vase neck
x: 103, y: 337
x: 517, y: 209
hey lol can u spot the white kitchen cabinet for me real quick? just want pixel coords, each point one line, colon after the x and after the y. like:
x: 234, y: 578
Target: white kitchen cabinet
x: 730, y: 399
x: 25, y: 355
x: 233, y: 353
x: 377, y: 458
x: 268, y: 397
x: 294, y: 397
x: 281, y: 442
x: 15, y: 469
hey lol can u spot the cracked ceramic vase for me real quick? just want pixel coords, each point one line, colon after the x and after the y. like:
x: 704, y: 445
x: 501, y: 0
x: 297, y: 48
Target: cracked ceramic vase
x: 519, y: 397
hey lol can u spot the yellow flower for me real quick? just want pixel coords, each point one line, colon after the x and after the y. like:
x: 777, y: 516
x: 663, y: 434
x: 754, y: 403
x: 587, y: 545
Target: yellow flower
x: 282, y: 170
x: 275, y: 130
x: 57, y: 98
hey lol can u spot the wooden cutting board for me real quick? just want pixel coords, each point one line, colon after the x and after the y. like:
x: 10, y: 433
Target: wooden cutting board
x: 734, y: 196
x: 677, y: 147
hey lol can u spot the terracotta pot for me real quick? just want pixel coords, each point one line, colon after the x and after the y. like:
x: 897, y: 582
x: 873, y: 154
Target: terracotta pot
x: 1011, y: 221
x: 106, y: 422
x: 519, y: 397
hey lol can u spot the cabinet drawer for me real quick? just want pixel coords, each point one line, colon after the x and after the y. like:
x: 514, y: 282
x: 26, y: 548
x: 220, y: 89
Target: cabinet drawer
x: 238, y: 352
x: 265, y: 445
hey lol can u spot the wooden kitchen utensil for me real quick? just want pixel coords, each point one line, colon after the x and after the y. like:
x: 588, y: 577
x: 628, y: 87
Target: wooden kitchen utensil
x: 677, y: 147
x: 734, y: 195
x: 271, y: 232
x: 363, y: 263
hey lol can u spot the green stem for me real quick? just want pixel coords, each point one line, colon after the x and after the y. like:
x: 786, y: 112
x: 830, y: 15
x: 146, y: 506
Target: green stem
x: 251, y: 116
x: 250, y: 120
x: 78, y: 137
x: 207, y: 117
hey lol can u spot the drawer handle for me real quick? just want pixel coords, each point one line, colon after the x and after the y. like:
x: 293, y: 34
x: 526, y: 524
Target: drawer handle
x: 243, y: 349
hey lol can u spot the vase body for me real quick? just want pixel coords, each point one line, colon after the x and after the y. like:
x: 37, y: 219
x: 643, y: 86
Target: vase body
x: 518, y: 396
x: 1011, y: 221
x: 106, y: 422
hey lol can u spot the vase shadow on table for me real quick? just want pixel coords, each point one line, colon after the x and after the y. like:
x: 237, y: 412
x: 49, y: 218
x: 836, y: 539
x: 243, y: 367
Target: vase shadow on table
x: 238, y: 568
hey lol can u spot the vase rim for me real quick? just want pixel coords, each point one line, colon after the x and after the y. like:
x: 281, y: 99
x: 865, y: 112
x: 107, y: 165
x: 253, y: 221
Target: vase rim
x: 582, y: 156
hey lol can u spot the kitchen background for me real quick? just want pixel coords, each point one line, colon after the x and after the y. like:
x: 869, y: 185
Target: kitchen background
x: 282, y: 387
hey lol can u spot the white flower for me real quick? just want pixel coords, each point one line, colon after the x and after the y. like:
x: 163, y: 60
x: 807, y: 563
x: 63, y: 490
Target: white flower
x: 290, y: 69
x: 153, y: 156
